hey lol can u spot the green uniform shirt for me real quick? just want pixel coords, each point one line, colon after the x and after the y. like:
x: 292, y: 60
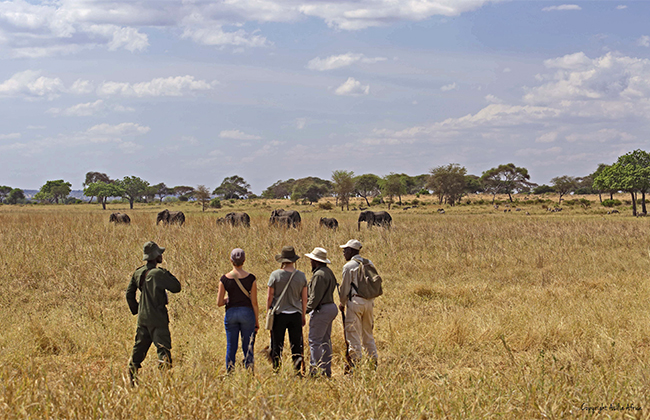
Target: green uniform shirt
x: 321, y: 288
x: 152, y: 309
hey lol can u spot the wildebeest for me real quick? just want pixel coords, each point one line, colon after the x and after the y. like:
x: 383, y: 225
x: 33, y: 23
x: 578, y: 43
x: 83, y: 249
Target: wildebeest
x: 329, y: 222
x: 168, y: 217
x: 376, y: 218
x: 292, y: 215
x: 119, y: 218
x: 235, y: 219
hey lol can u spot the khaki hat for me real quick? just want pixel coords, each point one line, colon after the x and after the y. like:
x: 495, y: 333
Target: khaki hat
x: 152, y: 251
x: 319, y: 254
x: 288, y: 255
x: 352, y: 243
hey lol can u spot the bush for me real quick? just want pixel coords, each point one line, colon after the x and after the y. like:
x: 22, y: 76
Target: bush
x: 183, y: 198
x: 375, y: 201
x: 424, y: 192
x: 480, y: 202
x: 415, y: 202
x: 325, y: 205
x: 611, y: 203
x: 170, y: 199
x: 215, y: 203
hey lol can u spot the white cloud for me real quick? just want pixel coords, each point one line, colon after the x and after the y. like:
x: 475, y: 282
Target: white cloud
x: 129, y: 147
x: 447, y: 88
x: 507, y: 70
x: 621, y: 7
x: 352, y: 87
x: 218, y: 37
x: 123, y: 129
x: 549, y: 137
x: 493, y: 99
x: 81, y: 87
x: 30, y: 83
x: 171, y: 86
x: 601, y: 136
x: 301, y: 123
x: 121, y: 37
x: 338, y: 61
x: 644, y: 41
x: 10, y: 136
x: 562, y: 7
x: 80, y: 110
x: 238, y: 135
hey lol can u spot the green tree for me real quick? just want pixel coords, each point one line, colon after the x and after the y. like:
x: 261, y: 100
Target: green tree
x: 506, y: 179
x: 202, y: 194
x: 103, y: 190
x: 448, y: 182
x: 367, y: 186
x: 473, y: 184
x: 310, y: 188
x: 183, y: 192
x: 393, y: 185
x: 597, y: 183
x: 53, y: 191
x: 343, y: 186
x: 631, y: 173
x: 233, y: 187
x: 162, y: 191
x: 4, y: 192
x: 543, y: 189
x: 92, y: 177
x: 133, y: 188
x: 564, y: 185
x: 15, y: 195
x: 280, y: 189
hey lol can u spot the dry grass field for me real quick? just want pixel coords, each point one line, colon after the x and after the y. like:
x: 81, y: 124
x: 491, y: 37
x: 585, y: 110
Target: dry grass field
x: 485, y: 314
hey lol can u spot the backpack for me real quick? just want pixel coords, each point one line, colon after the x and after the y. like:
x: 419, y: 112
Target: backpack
x: 369, y: 286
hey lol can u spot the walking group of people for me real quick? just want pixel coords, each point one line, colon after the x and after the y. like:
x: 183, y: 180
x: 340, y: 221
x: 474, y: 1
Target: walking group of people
x: 290, y: 298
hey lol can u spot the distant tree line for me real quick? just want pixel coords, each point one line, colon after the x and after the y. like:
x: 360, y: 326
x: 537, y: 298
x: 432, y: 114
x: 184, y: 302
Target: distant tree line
x: 448, y: 183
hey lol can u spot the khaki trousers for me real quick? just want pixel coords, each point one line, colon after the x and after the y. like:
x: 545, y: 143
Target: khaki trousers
x: 358, y: 327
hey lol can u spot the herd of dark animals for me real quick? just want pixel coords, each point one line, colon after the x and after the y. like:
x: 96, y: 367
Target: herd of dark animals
x: 279, y: 217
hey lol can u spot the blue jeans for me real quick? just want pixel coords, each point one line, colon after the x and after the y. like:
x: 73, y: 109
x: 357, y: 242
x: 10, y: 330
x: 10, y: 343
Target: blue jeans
x: 240, y: 320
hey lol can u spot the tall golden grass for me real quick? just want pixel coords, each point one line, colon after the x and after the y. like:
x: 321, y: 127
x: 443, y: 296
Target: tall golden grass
x: 485, y: 315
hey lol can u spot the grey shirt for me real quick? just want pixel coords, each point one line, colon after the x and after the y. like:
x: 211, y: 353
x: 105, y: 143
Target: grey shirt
x: 292, y: 301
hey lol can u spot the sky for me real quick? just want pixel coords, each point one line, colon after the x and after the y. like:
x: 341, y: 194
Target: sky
x: 189, y: 92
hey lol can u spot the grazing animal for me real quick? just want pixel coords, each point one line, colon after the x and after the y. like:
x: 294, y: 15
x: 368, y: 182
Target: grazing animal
x: 527, y: 214
x: 406, y: 208
x: 282, y: 221
x: 235, y: 219
x: 613, y: 211
x: 292, y: 215
x: 376, y: 218
x: 168, y: 217
x: 119, y: 218
x: 329, y: 222
x: 441, y: 211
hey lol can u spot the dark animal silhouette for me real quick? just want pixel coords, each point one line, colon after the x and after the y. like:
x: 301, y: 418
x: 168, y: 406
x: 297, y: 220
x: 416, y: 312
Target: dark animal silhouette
x: 294, y: 217
x: 329, y: 222
x: 374, y: 218
x: 235, y: 219
x: 282, y: 221
x: 168, y: 217
x: 119, y: 218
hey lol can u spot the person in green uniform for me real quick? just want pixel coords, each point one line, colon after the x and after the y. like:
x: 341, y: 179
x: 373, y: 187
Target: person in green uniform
x: 153, y: 320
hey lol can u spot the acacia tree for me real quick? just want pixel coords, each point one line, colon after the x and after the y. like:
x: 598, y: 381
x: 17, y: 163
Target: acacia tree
x: 280, y: 189
x: 133, y: 188
x: 202, y: 194
x: 343, y: 185
x: 103, y: 190
x: 393, y: 185
x: 92, y: 177
x: 448, y: 182
x: 598, y: 185
x: 161, y: 190
x: 15, y: 196
x: 4, y: 192
x: 53, y: 191
x: 184, y: 192
x: 506, y: 179
x: 309, y: 188
x: 233, y: 187
x: 367, y: 185
x: 563, y: 185
x: 631, y: 173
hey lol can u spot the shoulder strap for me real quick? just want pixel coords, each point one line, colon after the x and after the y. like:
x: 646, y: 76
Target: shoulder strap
x: 277, y: 303
x: 241, y: 286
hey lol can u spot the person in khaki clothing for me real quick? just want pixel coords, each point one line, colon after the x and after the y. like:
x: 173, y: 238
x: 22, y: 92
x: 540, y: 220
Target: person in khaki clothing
x: 153, y: 320
x: 358, y: 310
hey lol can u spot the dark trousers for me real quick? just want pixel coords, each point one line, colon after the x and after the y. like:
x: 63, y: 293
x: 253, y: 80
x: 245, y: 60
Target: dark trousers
x: 144, y: 336
x: 292, y: 323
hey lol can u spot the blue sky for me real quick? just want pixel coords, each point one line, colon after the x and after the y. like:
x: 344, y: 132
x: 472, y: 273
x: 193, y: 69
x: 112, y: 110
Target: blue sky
x: 190, y: 92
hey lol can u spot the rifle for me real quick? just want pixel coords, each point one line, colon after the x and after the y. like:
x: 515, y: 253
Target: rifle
x: 348, y: 359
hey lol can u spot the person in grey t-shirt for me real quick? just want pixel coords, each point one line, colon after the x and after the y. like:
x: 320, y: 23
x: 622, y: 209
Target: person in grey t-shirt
x: 290, y: 314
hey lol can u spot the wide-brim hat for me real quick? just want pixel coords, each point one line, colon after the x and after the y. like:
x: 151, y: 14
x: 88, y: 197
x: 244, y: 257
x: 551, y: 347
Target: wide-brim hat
x: 352, y: 243
x: 319, y: 254
x: 288, y: 255
x: 152, y: 251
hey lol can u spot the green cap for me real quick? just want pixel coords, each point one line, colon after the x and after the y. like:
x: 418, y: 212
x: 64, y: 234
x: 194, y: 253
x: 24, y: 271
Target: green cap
x: 152, y: 251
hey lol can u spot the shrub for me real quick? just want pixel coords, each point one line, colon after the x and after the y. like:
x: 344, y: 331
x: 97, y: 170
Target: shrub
x: 375, y: 201
x: 415, y: 202
x: 183, y: 198
x: 215, y: 203
x: 170, y: 199
x: 325, y: 205
x: 611, y: 203
x: 424, y: 192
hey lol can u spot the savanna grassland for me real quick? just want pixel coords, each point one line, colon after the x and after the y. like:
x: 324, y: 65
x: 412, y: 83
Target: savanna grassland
x: 485, y: 314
